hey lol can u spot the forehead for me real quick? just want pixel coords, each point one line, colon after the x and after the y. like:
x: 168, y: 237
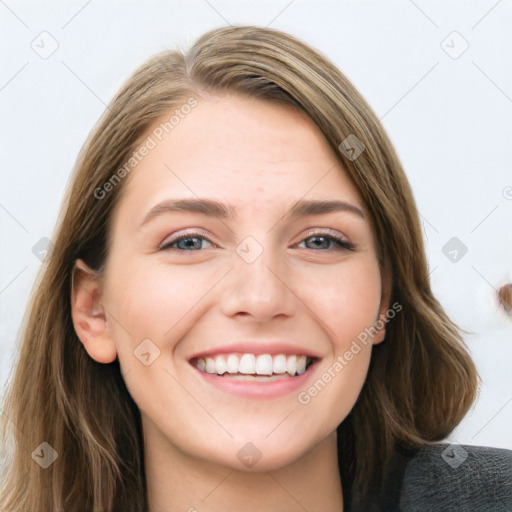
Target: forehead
x: 246, y: 151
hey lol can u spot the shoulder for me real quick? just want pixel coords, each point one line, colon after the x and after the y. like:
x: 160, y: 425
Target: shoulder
x: 454, y: 477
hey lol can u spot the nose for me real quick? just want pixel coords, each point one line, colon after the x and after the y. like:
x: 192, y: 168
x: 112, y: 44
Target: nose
x: 259, y: 290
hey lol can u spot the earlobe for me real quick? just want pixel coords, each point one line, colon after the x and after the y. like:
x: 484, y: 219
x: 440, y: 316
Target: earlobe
x: 380, y: 325
x: 88, y: 315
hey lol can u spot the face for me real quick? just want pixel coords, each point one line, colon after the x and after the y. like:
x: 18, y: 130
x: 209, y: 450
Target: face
x: 232, y: 298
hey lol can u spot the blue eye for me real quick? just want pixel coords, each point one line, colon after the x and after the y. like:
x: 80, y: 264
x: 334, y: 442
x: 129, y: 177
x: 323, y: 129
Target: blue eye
x: 322, y: 241
x: 190, y: 242
x: 326, y: 242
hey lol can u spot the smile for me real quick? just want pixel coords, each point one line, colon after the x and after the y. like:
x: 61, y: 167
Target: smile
x: 243, y: 366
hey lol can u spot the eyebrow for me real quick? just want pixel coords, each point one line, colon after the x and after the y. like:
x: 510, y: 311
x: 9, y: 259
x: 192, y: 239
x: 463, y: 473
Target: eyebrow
x: 213, y: 208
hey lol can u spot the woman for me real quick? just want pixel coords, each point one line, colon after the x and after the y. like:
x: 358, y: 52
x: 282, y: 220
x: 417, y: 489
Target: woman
x: 236, y: 313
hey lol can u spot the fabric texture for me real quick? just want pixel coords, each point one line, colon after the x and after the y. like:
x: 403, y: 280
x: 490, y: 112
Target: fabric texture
x: 463, y: 478
x: 445, y: 478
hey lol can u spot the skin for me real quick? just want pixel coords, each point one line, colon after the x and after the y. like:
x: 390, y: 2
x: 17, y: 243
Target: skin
x: 260, y: 157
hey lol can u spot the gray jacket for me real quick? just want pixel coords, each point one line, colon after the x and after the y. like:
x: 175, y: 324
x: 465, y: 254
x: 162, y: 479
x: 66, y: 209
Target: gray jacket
x: 446, y: 478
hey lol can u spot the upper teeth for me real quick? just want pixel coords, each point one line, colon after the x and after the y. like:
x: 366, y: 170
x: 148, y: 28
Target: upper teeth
x: 250, y: 364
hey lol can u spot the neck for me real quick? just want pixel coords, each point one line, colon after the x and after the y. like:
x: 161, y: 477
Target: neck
x: 176, y: 481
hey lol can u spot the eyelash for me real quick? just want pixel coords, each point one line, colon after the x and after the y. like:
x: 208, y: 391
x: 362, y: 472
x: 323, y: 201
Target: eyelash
x: 343, y: 245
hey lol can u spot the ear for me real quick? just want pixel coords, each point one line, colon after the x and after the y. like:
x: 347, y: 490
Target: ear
x: 88, y: 315
x: 383, y: 309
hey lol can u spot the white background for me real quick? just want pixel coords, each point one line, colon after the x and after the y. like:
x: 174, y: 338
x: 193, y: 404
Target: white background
x: 450, y: 120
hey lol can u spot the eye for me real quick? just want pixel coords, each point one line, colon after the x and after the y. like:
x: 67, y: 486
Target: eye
x: 188, y: 242
x: 327, y: 242
x: 318, y: 241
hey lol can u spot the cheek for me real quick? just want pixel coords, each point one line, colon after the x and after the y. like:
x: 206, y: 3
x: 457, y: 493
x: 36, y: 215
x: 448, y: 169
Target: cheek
x: 151, y: 308
x: 149, y: 301
x: 346, y: 300
x: 347, y: 304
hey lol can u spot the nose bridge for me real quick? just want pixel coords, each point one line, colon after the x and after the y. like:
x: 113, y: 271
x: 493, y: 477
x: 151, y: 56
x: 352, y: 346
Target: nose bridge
x: 257, y: 286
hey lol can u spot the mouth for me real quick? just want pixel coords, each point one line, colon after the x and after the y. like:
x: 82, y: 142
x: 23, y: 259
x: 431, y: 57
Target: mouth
x: 254, y: 367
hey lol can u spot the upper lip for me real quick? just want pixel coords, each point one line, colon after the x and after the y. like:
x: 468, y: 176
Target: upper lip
x: 257, y: 347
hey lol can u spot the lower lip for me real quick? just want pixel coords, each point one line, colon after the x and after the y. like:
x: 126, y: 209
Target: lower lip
x: 254, y: 389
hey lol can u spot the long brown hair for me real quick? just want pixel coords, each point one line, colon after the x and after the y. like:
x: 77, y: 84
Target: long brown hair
x: 421, y: 380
